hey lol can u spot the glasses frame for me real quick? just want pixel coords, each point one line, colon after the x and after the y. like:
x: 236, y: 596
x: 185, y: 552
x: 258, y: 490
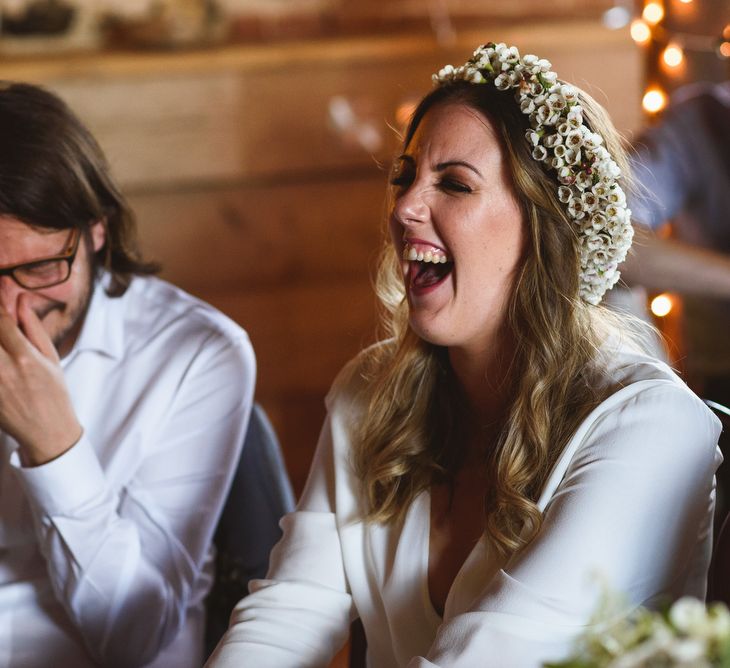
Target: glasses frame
x: 68, y: 256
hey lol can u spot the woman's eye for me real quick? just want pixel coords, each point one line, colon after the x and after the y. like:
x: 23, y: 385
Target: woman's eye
x: 455, y: 186
x: 400, y: 180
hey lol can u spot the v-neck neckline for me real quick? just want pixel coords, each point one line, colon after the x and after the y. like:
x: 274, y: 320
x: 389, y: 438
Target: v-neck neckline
x: 425, y: 538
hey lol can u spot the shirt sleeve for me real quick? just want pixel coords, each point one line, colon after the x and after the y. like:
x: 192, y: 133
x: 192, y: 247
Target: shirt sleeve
x: 124, y: 563
x: 299, y: 616
x: 635, y: 501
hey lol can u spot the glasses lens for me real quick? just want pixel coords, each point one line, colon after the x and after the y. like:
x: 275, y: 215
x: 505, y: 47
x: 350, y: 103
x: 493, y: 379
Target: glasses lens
x: 42, y: 274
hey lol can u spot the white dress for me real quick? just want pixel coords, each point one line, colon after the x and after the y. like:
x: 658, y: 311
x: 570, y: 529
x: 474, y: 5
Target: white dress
x: 629, y: 505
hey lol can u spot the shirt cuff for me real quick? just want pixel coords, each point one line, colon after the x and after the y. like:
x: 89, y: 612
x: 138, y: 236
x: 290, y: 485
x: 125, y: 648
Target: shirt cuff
x: 66, y: 483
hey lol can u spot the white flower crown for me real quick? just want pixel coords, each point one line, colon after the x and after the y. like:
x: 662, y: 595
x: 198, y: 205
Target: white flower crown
x: 585, y: 170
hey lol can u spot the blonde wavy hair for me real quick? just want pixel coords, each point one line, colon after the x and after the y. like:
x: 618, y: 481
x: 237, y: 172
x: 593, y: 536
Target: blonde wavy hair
x: 410, y: 433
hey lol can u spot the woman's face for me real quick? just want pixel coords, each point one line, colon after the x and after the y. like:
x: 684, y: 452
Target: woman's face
x: 457, y: 225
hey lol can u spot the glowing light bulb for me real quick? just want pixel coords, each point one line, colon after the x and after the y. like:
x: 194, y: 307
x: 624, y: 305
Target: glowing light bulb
x: 673, y: 55
x: 685, y: 2
x: 661, y: 305
x: 640, y: 32
x: 653, y: 13
x: 654, y: 100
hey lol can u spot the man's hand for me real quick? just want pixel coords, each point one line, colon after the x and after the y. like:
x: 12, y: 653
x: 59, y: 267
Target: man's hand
x: 35, y: 408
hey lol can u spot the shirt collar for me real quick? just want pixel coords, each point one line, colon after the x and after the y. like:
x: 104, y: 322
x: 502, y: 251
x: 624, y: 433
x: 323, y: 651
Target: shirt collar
x: 102, y: 331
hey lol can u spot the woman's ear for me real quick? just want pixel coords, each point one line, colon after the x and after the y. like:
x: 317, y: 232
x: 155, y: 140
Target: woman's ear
x: 98, y: 234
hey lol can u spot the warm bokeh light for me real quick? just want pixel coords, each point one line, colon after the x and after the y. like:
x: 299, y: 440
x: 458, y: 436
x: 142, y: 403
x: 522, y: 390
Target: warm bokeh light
x: 640, y: 32
x: 661, y: 305
x: 653, y: 13
x: 726, y: 32
x: 673, y: 55
x: 685, y: 2
x: 725, y: 49
x: 654, y: 100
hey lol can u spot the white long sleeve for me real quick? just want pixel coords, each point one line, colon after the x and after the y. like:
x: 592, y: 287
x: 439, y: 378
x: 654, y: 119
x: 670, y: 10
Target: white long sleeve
x: 630, y: 501
x: 124, y: 519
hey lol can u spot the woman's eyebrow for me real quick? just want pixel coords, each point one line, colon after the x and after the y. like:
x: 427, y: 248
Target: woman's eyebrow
x: 452, y: 163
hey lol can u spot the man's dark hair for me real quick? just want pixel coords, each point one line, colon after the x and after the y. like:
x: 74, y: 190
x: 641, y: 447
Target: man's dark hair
x: 53, y: 174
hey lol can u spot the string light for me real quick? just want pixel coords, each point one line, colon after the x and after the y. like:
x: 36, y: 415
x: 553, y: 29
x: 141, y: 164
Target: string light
x: 654, y: 100
x: 662, y: 305
x: 673, y: 55
x: 640, y: 32
x: 653, y: 13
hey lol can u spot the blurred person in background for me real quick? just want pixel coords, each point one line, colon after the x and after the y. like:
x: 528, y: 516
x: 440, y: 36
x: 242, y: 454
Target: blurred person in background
x: 511, y: 440
x: 682, y: 166
x: 123, y: 407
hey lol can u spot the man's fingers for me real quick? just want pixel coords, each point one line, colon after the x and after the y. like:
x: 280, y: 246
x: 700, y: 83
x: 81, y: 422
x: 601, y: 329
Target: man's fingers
x: 12, y: 340
x: 33, y: 328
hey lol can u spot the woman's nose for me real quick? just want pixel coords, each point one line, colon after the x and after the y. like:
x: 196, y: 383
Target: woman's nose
x: 410, y: 207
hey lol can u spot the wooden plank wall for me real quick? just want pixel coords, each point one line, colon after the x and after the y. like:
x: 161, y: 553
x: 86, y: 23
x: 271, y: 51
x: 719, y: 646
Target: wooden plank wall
x: 253, y: 200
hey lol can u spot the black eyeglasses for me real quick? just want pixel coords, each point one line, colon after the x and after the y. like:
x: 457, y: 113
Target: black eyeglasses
x: 48, y: 271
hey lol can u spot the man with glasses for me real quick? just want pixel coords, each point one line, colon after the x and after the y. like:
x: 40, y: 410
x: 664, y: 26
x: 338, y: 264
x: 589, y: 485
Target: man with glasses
x: 123, y: 406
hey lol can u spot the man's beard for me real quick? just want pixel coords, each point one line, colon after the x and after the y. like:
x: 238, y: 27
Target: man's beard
x: 73, y: 312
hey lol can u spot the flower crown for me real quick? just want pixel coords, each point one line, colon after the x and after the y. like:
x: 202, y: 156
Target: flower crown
x: 587, y: 174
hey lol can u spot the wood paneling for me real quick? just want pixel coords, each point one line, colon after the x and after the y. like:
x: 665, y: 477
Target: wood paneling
x: 251, y: 197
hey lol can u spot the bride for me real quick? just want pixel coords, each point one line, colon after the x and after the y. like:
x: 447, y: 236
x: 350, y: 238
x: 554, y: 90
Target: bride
x: 509, y: 445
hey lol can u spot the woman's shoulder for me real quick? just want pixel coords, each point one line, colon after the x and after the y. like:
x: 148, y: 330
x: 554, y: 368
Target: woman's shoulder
x: 645, y: 390
x: 349, y: 388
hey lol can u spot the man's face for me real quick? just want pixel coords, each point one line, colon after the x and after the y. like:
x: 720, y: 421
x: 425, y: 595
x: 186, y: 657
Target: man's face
x: 61, y: 308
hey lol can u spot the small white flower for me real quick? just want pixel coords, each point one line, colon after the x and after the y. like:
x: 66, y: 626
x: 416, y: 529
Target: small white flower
x: 532, y: 137
x: 527, y: 106
x: 592, y: 140
x: 569, y: 93
x: 553, y: 140
x: 556, y: 101
x: 557, y: 163
x: 590, y: 201
x: 573, y: 156
x: 550, y: 77
x: 617, y: 197
x: 560, y: 150
x: 584, y: 181
x: 564, y: 128
x: 501, y: 82
x: 536, y: 88
x: 514, y: 78
x: 576, y: 209
x: 539, y: 153
x: 565, y: 194
x: 565, y: 176
x: 574, y: 139
x: 529, y: 60
x: 687, y: 614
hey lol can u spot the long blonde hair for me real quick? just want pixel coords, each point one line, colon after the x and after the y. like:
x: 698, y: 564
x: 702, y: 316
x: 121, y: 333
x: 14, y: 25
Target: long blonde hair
x: 411, y: 430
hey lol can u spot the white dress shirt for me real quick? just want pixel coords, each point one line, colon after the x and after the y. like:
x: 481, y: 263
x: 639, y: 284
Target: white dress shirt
x: 628, y: 504
x: 105, y: 554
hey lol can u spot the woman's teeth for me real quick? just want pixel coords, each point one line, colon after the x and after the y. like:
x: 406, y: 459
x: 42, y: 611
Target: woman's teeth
x: 413, y: 254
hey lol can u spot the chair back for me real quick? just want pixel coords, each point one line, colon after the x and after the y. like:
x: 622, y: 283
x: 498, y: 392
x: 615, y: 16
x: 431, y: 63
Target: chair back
x: 718, y: 580
x: 249, y: 525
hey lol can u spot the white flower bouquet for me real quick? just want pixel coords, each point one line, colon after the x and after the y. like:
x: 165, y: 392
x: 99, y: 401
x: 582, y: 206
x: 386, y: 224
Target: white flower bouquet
x: 687, y: 635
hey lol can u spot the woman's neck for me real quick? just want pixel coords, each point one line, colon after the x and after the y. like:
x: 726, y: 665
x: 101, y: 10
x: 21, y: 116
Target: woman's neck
x: 485, y: 377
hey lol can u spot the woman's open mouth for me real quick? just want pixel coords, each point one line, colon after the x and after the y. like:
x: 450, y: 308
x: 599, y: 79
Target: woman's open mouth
x: 428, y: 266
